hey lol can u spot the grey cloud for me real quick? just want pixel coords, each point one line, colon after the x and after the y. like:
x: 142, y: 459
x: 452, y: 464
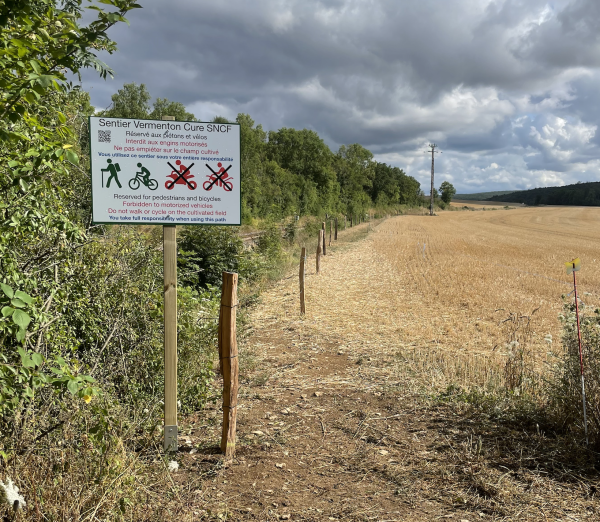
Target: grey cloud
x: 476, y: 76
x: 571, y: 39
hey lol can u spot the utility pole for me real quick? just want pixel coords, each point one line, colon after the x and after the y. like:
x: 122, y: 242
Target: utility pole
x: 432, y: 146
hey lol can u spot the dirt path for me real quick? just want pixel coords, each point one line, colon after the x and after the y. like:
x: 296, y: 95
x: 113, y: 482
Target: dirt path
x: 331, y: 425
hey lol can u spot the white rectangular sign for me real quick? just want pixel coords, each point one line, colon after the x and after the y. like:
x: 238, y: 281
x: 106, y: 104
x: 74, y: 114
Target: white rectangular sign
x: 165, y: 172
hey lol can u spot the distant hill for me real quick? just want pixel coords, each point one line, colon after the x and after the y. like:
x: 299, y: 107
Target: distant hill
x: 587, y: 194
x: 481, y: 196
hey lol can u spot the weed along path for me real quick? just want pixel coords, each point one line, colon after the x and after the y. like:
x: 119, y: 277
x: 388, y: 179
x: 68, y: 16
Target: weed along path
x: 337, y: 421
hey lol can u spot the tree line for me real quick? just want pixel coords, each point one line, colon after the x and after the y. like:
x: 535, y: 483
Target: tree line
x: 586, y: 194
x: 289, y: 171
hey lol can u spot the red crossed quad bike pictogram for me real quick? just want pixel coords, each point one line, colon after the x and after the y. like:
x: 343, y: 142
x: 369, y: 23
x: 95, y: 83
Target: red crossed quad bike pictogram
x: 220, y: 178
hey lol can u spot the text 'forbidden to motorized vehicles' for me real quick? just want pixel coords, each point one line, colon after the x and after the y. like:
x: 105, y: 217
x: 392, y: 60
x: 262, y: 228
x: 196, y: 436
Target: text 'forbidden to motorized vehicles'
x: 165, y: 172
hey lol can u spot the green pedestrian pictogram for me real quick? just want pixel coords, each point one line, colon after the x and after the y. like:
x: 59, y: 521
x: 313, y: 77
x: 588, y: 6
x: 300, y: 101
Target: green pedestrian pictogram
x: 142, y: 177
x: 113, y: 169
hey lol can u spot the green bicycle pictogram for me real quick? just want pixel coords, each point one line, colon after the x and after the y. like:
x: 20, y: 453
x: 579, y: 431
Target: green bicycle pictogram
x: 142, y: 177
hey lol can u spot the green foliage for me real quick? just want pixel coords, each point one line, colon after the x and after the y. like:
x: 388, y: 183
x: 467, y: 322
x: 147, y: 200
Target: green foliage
x: 447, y: 191
x: 132, y: 101
x: 312, y: 225
x: 165, y: 107
x: 269, y: 243
x: 253, y: 151
x: 565, y: 388
x: 291, y: 230
x: 312, y: 183
x: 355, y: 172
x: 14, y: 318
x: 20, y: 383
x: 391, y: 186
x: 197, y: 314
x: 205, y: 253
x: 80, y: 306
x: 41, y: 41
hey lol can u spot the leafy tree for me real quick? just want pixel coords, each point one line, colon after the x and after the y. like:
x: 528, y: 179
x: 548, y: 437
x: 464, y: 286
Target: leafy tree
x: 385, y: 189
x: 253, y: 142
x: 410, y: 189
x: 355, y: 171
x: 165, y: 107
x: 132, y: 101
x: 447, y: 191
x: 304, y: 153
x: 219, y: 119
x: 284, y: 191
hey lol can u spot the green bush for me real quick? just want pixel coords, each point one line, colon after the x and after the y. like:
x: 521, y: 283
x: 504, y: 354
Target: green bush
x: 197, y: 322
x: 565, y: 393
x: 312, y: 226
x: 269, y: 243
x: 206, y: 252
x: 291, y: 230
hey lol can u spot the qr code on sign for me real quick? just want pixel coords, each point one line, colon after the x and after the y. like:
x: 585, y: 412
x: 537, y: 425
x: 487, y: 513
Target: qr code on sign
x: 104, y: 136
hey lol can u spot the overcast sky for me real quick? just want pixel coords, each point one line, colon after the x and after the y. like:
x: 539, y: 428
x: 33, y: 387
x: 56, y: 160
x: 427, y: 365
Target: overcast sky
x: 508, y: 89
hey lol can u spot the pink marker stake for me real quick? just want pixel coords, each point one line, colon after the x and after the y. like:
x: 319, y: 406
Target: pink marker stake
x: 580, y: 356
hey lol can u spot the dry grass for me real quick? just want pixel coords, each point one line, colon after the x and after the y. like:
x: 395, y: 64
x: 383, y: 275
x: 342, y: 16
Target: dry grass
x: 488, y: 205
x: 76, y: 474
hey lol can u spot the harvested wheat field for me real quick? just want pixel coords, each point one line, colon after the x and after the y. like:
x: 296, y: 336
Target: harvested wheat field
x: 342, y: 412
x: 478, y: 205
x: 462, y: 273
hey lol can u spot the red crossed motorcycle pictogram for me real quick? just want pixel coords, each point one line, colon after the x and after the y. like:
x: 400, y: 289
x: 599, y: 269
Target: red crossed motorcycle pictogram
x: 220, y: 178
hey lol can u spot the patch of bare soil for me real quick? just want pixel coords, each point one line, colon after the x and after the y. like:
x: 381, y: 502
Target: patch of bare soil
x: 333, y: 426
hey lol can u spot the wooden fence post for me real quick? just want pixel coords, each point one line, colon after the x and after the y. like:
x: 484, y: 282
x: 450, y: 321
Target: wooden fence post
x: 229, y: 361
x: 351, y: 217
x: 318, y: 261
x: 335, y: 235
x: 170, y: 333
x: 302, y: 259
x: 345, y: 220
x: 324, y: 247
x: 330, y: 229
